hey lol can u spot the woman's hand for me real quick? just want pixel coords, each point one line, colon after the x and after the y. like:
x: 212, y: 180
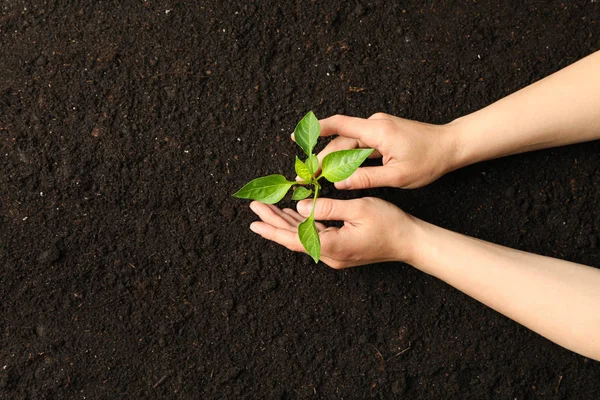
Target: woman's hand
x: 374, y: 230
x: 414, y: 154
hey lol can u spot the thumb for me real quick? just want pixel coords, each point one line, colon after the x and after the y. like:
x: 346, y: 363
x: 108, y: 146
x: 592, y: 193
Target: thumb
x: 329, y: 209
x: 367, y: 177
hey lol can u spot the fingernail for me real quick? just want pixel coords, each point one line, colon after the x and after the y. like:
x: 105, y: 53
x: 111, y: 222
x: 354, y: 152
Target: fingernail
x: 253, y: 228
x: 253, y: 207
x: 298, y: 179
x: 345, y: 184
x: 303, y: 207
x: 293, y: 137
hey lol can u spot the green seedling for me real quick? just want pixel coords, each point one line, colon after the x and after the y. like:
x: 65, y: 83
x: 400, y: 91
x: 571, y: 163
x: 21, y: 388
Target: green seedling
x: 335, y: 167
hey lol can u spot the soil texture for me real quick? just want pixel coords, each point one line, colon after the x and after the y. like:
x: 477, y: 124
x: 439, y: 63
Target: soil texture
x: 127, y: 270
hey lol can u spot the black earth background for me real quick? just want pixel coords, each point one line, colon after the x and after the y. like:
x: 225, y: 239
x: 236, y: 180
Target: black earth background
x: 127, y: 270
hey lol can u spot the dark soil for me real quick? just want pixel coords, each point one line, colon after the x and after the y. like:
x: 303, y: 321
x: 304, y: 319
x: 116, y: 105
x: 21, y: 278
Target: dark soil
x: 127, y: 270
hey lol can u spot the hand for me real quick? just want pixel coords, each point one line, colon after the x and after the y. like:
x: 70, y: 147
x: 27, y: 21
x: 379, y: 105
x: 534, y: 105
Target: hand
x: 414, y: 154
x: 374, y: 230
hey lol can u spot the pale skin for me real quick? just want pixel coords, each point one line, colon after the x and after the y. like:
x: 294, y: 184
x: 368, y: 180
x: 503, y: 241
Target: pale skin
x: 558, y: 299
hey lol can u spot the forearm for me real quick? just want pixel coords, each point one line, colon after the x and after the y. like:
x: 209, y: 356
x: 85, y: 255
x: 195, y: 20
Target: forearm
x: 561, y: 109
x: 557, y: 299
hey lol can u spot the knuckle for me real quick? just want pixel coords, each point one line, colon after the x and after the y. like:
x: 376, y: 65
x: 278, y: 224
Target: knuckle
x: 293, y: 246
x: 275, y: 236
x: 326, y: 208
x: 366, y: 204
x: 369, y: 201
x: 378, y: 115
x: 336, y: 118
x: 400, y: 181
x: 385, y: 126
x: 362, y: 180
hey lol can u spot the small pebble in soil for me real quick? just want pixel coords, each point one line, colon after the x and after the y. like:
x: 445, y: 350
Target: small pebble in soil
x: 359, y: 10
x: 281, y: 341
x: 192, y: 256
x: 41, y: 61
x: 228, y: 304
x: 209, y: 240
x: 40, y: 331
x: 233, y: 373
x: 268, y: 285
x: 49, y: 256
x: 399, y: 386
x: 409, y: 37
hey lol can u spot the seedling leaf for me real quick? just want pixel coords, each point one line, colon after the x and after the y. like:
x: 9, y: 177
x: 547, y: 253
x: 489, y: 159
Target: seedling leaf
x: 307, y: 132
x: 335, y: 167
x: 339, y: 165
x: 302, y: 170
x: 267, y: 189
x: 309, y: 237
x: 300, y: 193
x: 312, y: 163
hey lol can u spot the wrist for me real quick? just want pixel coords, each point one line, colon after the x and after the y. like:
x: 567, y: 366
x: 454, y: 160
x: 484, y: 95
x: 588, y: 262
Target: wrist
x: 456, y: 145
x: 420, y: 249
x: 408, y: 243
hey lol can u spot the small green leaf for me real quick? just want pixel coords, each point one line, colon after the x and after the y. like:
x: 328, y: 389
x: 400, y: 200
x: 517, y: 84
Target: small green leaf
x: 339, y: 165
x: 300, y: 193
x: 307, y: 132
x: 309, y: 237
x: 312, y: 163
x: 302, y: 170
x: 267, y: 189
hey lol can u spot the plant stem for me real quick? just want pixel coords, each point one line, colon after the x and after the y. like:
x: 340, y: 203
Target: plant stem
x: 317, y: 187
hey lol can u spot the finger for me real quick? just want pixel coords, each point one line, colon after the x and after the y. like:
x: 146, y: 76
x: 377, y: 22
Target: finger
x: 351, y: 127
x: 268, y: 215
x: 337, y: 144
x: 331, y: 210
x: 299, y: 219
x: 292, y: 213
x: 290, y: 220
x: 289, y: 240
x: 369, y: 177
x: 344, y: 143
x: 321, y: 227
x: 381, y: 116
x: 281, y: 236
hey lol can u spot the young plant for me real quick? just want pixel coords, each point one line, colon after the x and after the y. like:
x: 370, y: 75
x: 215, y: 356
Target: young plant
x: 335, y: 167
